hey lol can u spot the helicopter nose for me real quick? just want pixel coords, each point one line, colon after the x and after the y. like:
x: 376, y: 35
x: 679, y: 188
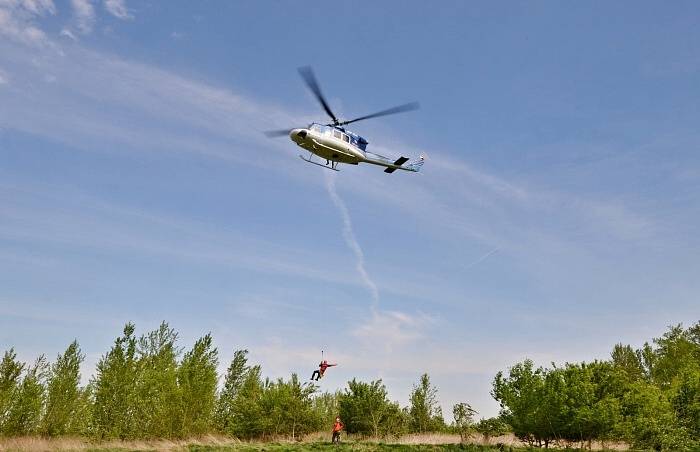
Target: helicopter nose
x: 297, y: 134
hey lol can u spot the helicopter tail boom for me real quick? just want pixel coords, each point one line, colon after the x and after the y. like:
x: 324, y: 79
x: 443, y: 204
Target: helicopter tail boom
x: 417, y: 164
x: 414, y: 166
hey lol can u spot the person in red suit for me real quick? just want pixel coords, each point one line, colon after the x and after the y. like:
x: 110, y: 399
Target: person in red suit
x: 337, y: 427
x: 318, y: 373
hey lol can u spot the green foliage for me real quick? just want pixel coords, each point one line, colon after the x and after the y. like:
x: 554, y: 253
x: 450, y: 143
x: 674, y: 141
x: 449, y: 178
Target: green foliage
x: 524, y: 405
x: 628, y: 361
x: 63, y: 394
x: 365, y: 408
x: 677, y: 351
x: 27, y: 407
x: 287, y: 408
x: 649, y: 421
x: 10, y: 373
x: 246, y: 412
x: 463, y: 415
x: 326, y: 407
x: 197, y: 378
x: 649, y: 397
x: 686, y: 402
x: 425, y: 414
x: 236, y: 374
x: 114, y: 386
x: 491, y: 427
x: 156, y: 403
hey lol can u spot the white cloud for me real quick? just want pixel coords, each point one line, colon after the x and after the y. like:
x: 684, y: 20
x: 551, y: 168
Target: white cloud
x: 84, y: 14
x: 118, y: 9
x: 35, y: 7
x: 17, y: 20
x: 69, y: 34
x: 3, y: 78
x: 390, y: 329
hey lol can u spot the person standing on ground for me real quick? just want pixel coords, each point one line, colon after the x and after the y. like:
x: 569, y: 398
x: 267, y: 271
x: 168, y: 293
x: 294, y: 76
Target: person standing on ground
x: 337, y: 427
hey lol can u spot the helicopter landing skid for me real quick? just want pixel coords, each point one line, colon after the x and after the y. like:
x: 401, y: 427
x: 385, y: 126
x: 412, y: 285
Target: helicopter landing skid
x: 332, y: 167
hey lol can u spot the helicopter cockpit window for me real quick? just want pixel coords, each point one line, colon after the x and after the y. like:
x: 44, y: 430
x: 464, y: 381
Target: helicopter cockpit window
x: 337, y: 134
x: 346, y: 138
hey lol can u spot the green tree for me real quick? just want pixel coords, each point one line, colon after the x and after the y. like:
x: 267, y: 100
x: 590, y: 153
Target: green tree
x: 649, y: 421
x: 156, y: 399
x: 326, y: 407
x: 628, y: 361
x: 63, y: 393
x: 675, y: 352
x: 233, y: 381
x: 424, y: 411
x: 490, y: 428
x: 10, y: 373
x: 114, y: 385
x: 525, y: 405
x: 81, y: 423
x: 197, y: 380
x: 27, y: 408
x: 686, y: 402
x: 287, y: 407
x: 463, y: 415
x: 246, y: 415
x: 366, y: 409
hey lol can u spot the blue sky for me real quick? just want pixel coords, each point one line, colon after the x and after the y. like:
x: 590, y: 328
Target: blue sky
x: 556, y: 216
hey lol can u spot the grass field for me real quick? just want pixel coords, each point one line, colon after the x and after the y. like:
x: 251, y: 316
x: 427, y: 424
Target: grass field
x: 37, y: 444
x: 316, y: 442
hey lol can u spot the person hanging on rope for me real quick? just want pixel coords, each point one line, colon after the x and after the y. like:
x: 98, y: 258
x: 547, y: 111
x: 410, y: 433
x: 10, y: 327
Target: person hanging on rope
x: 337, y: 427
x: 318, y: 373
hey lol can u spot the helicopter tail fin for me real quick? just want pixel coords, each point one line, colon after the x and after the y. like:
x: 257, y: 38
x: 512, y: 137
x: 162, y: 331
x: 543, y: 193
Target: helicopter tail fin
x: 414, y: 166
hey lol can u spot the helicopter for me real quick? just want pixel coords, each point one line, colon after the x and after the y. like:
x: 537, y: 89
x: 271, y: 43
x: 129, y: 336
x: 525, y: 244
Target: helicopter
x: 334, y: 143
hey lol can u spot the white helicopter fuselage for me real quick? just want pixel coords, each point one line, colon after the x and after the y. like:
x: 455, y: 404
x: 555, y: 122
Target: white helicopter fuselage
x: 335, y: 145
x: 327, y: 146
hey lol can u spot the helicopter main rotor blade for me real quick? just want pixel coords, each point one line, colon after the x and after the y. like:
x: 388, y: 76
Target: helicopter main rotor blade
x: 277, y: 133
x: 308, y: 75
x: 390, y: 111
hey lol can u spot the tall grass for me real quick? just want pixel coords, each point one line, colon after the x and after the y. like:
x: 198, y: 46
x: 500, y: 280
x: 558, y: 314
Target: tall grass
x: 314, y: 442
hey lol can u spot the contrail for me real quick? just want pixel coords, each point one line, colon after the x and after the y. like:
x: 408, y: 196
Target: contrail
x: 481, y: 259
x: 352, y: 242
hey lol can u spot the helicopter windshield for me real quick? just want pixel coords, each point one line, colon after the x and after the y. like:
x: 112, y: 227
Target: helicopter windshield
x: 318, y: 128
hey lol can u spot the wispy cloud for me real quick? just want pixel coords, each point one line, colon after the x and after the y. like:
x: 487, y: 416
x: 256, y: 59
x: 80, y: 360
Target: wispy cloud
x: 84, y: 13
x: 68, y: 34
x: 118, y: 9
x: 391, y: 329
x: 18, y: 20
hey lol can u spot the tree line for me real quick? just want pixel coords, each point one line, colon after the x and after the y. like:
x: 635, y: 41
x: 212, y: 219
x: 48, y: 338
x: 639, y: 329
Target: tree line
x: 647, y: 397
x: 148, y: 387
